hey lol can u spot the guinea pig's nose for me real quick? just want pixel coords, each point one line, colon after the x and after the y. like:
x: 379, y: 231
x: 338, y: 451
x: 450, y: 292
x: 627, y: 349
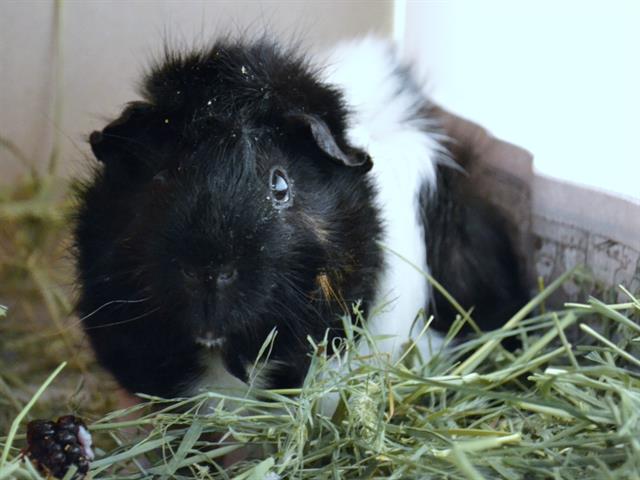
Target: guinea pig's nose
x: 227, y: 274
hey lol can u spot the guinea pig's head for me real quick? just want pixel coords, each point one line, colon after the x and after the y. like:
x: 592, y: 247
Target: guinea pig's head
x: 236, y: 205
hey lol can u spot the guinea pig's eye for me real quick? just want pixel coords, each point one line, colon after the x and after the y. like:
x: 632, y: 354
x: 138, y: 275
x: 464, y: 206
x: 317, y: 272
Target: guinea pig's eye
x: 280, y: 189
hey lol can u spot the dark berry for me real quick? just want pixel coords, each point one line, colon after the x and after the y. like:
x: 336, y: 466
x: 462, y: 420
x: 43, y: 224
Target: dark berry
x: 73, y: 453
x: 57, y: 458
x: 68, y: 422
x: 83, y: 465
x: 65, y: 437
x: 39, y: 429
x: 54, y: 447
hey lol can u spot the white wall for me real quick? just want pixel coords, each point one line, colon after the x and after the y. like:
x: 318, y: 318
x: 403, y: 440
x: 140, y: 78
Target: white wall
x: 560, y: 78
x: 106, y: 44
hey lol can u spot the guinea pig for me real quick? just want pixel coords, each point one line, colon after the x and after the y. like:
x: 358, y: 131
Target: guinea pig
x: 253, y: 190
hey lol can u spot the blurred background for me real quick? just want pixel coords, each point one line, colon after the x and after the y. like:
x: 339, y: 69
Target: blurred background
x: 557, y: 78
x: 105, y: 45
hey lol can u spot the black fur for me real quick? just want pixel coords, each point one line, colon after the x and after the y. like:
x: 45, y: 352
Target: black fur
x: 184, y: 187
x: 182, y: 197
x: 470, y: 254
x: 469, y: 249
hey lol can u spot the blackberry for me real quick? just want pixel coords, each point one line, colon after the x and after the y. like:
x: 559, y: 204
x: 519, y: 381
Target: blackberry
x: 55, y: 446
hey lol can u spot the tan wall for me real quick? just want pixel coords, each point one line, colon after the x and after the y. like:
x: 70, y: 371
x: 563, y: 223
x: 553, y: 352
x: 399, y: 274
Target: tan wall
x: 106, y: 44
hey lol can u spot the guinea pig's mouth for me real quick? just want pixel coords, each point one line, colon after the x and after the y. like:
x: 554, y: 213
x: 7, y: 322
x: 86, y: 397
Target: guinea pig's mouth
x: 209, y: 341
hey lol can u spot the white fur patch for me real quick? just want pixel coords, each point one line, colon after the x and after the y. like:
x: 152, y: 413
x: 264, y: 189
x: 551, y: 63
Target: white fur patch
x: 217, y: 377
x: 404, y: 160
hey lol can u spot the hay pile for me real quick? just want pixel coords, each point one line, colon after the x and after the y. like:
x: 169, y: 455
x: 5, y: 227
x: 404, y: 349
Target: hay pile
x: 549, y: 410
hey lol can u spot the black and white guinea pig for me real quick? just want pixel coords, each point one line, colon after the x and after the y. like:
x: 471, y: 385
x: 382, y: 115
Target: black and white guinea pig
x: 251, y: 190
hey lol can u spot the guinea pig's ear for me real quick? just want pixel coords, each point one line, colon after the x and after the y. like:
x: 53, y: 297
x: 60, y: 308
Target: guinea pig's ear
x: 126, y: 141
x: 326, y: 141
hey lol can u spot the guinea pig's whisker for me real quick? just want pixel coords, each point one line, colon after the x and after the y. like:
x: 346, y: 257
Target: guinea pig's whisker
x: 77, y: 322
x: 302, y: 297
x: 70, y: 323
x: 112, y: 302
x: 298, y: 327
x: 113, y: 324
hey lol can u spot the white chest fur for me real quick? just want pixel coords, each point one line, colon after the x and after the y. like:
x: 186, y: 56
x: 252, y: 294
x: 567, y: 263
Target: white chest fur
x: 383, y: 123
